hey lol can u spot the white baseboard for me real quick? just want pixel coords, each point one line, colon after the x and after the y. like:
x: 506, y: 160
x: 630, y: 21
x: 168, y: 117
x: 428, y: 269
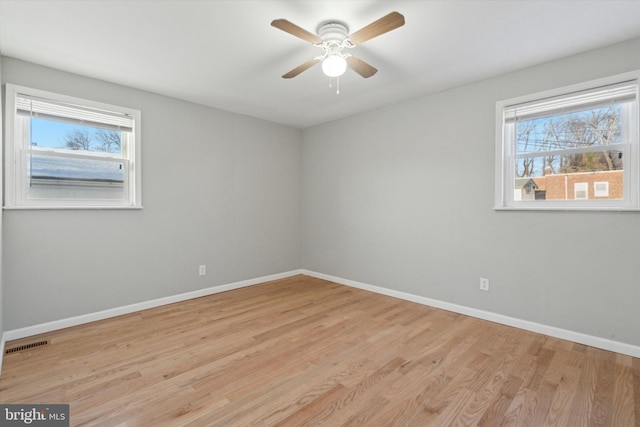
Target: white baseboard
x: 2, y: 341
x: 578, y: 337
x: 603, y: 343
x: 118, y: 311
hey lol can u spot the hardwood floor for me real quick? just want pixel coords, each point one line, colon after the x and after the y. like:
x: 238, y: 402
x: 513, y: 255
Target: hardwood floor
x: 303, y: 351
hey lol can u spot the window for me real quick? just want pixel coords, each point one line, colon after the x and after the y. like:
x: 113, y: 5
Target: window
x: 566, y: 141
x: 64, y: 152
x: 581, y: 191
x: 601, y: 189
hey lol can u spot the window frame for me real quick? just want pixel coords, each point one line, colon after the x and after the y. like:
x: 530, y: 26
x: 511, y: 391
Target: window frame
x: 16, y: 174
x: 505, y: 153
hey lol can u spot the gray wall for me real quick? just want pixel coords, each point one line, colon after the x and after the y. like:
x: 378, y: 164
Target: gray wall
x: 218, y: 189
x: 403, y: 197
x: 400, y: 197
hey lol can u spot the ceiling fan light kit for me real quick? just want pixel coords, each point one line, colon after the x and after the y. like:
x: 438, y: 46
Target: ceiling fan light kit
x: 334, y: 62
x: 333, y: 38
x: 334, y: 65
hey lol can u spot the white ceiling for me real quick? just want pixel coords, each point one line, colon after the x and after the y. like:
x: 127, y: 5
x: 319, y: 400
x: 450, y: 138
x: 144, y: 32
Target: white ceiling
x: 225, y: 54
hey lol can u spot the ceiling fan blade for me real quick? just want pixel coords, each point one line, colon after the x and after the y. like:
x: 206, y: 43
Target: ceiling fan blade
x: 361, y: 67
x: 381, y: 26
x: 293, y: 29
x: 300, y: 68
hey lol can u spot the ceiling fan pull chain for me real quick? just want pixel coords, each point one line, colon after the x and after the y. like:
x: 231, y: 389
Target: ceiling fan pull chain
x: 337, y: 84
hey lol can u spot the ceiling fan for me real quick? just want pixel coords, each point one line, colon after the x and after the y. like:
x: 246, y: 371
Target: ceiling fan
x: 333, y: 38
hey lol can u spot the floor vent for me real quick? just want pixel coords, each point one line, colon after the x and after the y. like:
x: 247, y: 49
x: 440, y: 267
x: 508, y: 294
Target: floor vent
x: 26, y: 346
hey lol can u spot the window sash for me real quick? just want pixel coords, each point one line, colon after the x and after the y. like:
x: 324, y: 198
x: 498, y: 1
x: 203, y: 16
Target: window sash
x: 510, y: 166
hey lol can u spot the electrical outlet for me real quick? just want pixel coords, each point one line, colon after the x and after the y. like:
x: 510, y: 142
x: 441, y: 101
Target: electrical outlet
x: 484, y: 284
x: 202, y: 270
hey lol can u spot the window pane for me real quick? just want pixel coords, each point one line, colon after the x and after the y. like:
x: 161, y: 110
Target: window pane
x: 580, y: 176
x: 591, y: 161
x: 577, y: 130
x: 44, y: 166
x: 62, y: 135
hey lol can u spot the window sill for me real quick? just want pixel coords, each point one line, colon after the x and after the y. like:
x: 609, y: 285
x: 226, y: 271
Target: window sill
x: 566, y: 209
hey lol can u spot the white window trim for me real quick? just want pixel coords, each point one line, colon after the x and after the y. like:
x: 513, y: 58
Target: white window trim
x: 504, y: 159
x: 13, y: 183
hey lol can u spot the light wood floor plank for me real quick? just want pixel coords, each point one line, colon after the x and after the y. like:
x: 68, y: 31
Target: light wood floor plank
x: 305, y: 351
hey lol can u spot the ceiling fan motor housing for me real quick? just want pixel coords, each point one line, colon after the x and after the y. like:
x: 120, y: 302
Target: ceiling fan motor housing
x: 333, y: 32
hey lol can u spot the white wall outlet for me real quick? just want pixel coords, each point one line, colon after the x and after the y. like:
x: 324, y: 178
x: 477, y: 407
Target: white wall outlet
x: 202, y: 270
x: 484, y: 284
